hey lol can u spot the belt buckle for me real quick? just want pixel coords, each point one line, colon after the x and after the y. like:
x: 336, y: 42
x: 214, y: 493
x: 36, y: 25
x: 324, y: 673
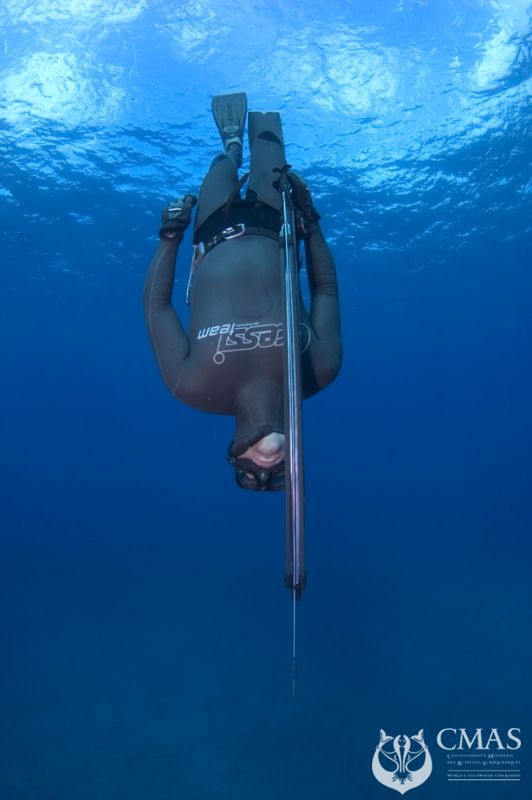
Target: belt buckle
x: 234, y: 231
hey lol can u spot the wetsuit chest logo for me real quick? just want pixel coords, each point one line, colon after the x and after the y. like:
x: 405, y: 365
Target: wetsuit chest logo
x: 234, y: 338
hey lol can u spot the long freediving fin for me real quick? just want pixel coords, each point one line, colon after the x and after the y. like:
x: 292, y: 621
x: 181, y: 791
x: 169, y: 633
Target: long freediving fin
x: 268, y: 124
x: 229, y: 112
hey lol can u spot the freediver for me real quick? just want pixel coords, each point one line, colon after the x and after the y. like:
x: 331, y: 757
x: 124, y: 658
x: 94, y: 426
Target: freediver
x: 230, y: 362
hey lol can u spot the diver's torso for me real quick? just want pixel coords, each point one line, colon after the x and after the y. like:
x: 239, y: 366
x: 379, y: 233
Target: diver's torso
x: 235, y: 327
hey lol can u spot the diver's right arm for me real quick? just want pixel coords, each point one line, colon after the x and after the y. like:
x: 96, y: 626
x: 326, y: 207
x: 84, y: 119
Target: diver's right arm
x: 168, y: 337
x: 326, y: 355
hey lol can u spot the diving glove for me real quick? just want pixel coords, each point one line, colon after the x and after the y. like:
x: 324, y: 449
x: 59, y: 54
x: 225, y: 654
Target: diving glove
x: 176, y: 218
x: 306, y: 214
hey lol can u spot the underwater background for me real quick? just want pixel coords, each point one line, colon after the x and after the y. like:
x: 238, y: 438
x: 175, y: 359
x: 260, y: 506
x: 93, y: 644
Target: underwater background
x: 145, y: 630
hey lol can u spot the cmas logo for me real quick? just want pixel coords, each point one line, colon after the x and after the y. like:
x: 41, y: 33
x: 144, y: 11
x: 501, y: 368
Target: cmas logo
x: 402, y: 762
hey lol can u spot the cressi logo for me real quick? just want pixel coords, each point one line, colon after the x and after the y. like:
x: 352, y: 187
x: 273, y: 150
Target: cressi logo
x: 240, y: 337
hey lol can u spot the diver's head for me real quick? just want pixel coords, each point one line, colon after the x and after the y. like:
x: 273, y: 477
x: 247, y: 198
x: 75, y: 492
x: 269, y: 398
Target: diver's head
x: 261, y: 466
x: 268, y: 451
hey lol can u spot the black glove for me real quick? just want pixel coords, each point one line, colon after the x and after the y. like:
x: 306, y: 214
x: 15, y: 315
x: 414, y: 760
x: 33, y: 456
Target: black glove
x: 176, y: 218
x: 305, y: 213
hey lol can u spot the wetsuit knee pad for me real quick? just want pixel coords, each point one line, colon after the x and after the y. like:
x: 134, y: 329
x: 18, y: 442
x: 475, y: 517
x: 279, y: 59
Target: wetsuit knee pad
x: 217, y: 159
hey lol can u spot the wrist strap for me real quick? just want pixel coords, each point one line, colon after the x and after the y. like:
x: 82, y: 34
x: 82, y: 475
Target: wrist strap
x: 171, y: 235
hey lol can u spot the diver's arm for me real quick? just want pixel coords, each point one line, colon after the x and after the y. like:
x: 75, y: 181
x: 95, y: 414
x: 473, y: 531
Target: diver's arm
x: 324, y: 307
x: 323, y: 283
x: 168, y: 337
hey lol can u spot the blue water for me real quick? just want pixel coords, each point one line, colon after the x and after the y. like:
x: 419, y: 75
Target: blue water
x: 145, y: 630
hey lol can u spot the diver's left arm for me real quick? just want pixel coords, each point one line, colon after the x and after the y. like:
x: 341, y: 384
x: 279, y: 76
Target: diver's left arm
x: 168, y: 337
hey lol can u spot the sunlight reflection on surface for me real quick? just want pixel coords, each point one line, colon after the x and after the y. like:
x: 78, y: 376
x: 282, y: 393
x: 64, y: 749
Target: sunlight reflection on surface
x: 372, y: 100
x: 55, y: 86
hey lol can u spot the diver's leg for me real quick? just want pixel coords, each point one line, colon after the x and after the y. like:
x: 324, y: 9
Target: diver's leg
x: 267, y: 155
x: 220, y: 183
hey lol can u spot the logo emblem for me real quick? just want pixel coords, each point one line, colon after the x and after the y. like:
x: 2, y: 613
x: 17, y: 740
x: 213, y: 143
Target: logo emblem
x: 238, y: 337
x: 402, y: 762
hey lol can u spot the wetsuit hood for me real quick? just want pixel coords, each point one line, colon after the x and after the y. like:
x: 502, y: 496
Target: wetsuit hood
x: 258, y: 412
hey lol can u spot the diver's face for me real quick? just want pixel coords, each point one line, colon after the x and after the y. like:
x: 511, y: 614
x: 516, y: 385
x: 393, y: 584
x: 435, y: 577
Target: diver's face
x: 267, y: 452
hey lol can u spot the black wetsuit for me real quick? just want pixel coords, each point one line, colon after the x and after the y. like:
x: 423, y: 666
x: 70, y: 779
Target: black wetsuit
x: 230, y: 362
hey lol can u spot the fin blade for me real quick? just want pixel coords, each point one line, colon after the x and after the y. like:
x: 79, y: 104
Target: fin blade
x: 260, y: 123
x: 229, y: 112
